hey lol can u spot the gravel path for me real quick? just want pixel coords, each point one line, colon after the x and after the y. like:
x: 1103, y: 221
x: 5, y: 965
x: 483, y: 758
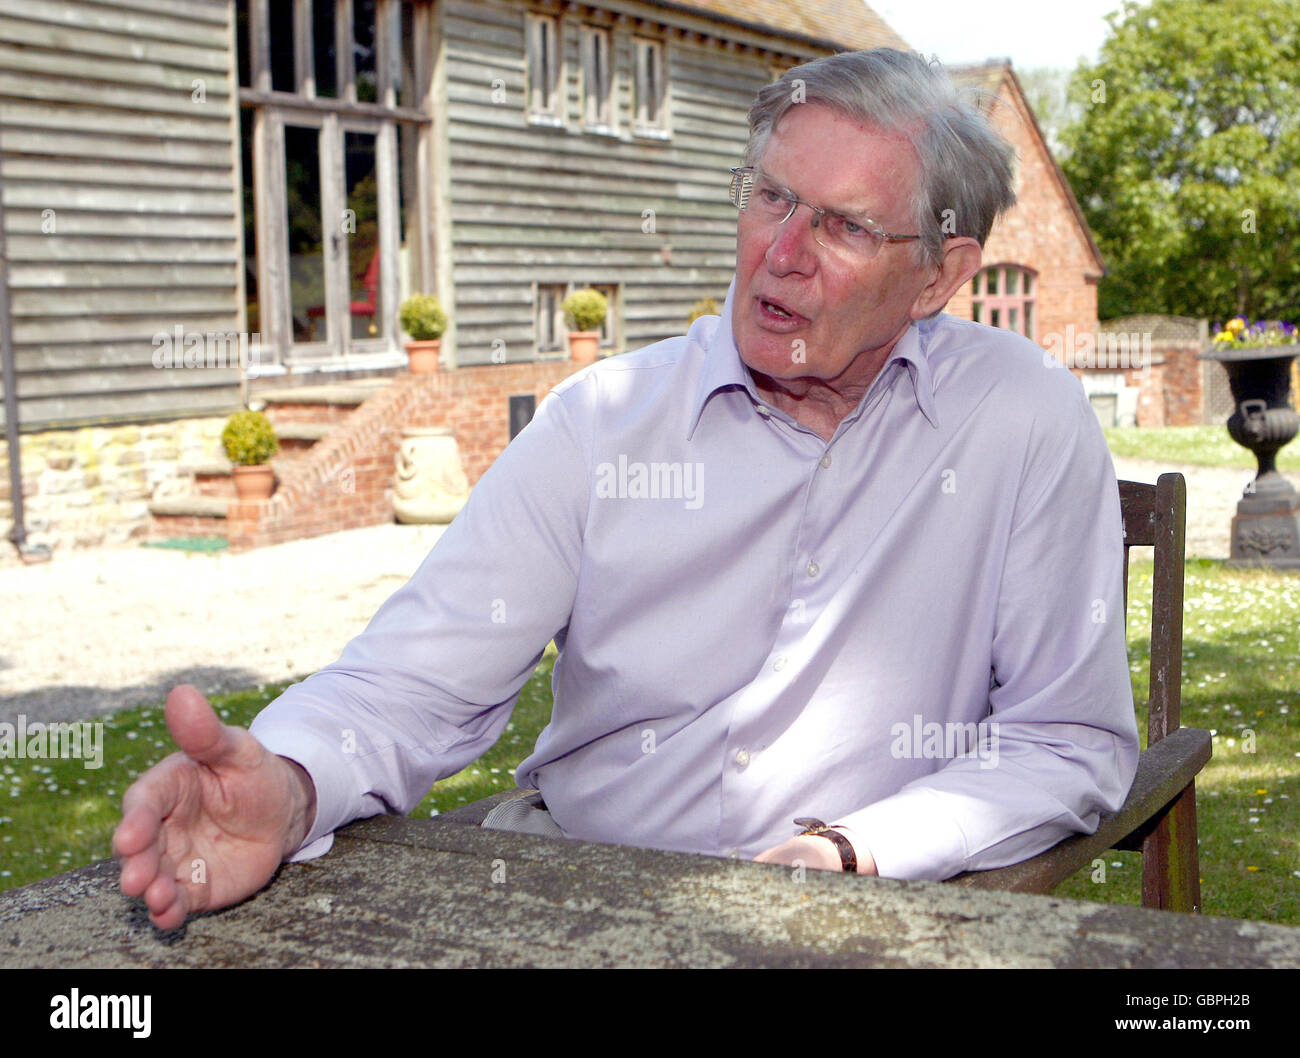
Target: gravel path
x: 94, y: 631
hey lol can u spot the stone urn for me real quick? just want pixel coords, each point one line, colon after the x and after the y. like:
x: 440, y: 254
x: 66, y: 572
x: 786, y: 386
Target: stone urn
x: 430, y: 485
x: 1266, y: 528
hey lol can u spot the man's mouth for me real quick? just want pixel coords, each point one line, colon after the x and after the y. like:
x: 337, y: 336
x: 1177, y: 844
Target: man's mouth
x: 778, y: 311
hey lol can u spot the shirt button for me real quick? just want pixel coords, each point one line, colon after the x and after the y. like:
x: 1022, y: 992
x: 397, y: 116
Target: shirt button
x: 778, y: 663
x: 764, y: 410
x: 813, y: 569
x: 826, y: 461
x: 742, y: 758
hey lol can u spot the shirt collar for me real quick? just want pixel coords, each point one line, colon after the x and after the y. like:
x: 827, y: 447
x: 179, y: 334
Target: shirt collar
x: 723, y: 368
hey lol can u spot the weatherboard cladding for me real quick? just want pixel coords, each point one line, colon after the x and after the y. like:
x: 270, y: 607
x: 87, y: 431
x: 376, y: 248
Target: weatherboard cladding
x: 532, y: 204
x: 121, y: 202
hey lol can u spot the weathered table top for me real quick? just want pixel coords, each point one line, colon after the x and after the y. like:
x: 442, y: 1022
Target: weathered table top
x: 396, y: 892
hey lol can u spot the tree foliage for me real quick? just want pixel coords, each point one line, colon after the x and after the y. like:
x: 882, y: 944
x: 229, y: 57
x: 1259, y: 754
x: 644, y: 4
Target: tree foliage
x: 1186, y: 159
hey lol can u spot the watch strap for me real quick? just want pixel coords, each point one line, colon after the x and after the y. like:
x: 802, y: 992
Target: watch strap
x: 816, y: 828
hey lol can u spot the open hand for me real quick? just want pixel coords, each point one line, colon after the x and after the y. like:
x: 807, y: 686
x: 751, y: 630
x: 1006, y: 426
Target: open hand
x: 210, y: 825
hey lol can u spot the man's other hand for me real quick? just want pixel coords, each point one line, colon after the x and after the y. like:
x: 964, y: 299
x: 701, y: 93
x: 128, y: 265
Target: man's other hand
x: 812, y: 851
x: 209, y: 826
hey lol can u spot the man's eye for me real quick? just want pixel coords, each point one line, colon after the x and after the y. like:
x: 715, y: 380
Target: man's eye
x: 852, y: 229
x: 770, y: 196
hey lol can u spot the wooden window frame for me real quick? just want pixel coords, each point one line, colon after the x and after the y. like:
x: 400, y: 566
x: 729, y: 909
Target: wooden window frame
x: 270, y: 112
x: 611, y: 333
x: 1023, y: 303
x: 557, y: 291
x: 643, y: 123
x: 544, y: 63
x: 598, y: 110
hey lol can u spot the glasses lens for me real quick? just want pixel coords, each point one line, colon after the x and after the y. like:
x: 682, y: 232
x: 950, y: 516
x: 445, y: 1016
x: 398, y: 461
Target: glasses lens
x: 855, y: 238
x: 742, y: 183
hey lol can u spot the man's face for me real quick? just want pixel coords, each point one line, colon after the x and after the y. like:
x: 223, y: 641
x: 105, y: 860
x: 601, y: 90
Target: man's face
x: 839, y: 307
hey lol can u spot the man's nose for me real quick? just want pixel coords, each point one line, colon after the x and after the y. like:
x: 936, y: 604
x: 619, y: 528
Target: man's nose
x: 794, y: 244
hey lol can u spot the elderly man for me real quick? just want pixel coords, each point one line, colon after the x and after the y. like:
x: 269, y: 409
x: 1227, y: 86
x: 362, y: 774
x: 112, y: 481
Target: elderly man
x: 832, y: 556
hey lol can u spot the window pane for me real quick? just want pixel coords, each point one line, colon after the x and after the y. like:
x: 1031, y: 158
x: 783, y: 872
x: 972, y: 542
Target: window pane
x: 242, y: 45
x: 1011, y: 280
x: 282, y: 73
x: 1029, y: 321
x: 1013, y: 319
x: 250, y: 219
x: 991, y: 281
x: 1028, y: 284
x: 322, y: 32
x: 306, y: 252
x: 407, y: 96
x: 995, y: 318
x: 364, y: 297
x: 363, y: 49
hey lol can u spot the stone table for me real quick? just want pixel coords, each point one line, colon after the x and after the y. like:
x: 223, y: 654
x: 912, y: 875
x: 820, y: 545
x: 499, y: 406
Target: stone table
x: 398, y: 892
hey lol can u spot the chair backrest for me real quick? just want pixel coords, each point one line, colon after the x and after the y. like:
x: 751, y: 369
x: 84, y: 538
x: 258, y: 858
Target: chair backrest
x: 1156, y: 516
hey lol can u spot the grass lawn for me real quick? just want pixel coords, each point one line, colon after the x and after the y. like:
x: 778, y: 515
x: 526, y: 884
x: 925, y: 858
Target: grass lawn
x: 1241, y: 680
x: 1208, y: 446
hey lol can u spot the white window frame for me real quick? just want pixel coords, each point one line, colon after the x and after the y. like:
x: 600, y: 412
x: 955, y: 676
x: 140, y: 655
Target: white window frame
x: 1023, y: 303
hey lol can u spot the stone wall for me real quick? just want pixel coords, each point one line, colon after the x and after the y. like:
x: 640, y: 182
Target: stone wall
x: 90, y: 486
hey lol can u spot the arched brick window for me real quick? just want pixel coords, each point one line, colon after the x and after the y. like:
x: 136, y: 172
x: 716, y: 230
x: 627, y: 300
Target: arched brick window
x: 1003, y: 296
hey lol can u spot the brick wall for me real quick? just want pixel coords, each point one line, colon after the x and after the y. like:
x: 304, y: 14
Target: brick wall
x: 346, y: 480
x: 1041, y: 233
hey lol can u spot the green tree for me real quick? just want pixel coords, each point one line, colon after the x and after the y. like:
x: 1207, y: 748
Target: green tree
x: 1186, y: 159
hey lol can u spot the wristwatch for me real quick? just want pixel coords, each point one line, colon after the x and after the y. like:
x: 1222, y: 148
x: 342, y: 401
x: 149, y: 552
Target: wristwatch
x: 815, y: 827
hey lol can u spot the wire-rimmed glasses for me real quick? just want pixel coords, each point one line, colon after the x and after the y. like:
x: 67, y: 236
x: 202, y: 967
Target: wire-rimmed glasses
x: 854, y: 236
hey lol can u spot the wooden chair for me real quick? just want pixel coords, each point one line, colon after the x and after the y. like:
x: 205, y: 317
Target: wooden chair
x: 1159, y: 817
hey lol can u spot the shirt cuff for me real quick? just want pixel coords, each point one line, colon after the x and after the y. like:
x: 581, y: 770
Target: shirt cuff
x: 910, y: 836
x: 334, y: 795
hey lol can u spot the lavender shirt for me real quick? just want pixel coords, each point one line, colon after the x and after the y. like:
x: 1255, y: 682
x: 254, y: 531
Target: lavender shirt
x: 915, y: 630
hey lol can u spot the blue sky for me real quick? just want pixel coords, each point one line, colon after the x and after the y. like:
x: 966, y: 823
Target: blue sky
x: 1031, y: 33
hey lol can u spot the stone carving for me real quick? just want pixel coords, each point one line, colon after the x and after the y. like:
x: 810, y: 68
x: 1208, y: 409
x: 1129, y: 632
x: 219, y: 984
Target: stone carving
x: 1263, y: 540
x: 431, y: 485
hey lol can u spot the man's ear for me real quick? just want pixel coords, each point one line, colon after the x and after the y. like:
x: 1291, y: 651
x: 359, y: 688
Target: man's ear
x: 961, y: 260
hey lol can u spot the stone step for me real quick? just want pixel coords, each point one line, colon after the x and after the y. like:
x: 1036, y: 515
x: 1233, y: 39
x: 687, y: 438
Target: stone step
x: 192, y: 506
x: 345, y: 393
x: 304, y: 431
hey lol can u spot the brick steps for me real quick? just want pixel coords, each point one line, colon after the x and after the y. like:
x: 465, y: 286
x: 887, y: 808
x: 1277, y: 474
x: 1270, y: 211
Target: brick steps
x: 338, y: 450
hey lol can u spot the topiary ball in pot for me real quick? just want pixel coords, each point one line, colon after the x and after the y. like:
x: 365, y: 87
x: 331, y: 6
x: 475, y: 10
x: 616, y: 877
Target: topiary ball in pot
x: 585, y: 310
x: 422, y: 317
x: 249, y: 439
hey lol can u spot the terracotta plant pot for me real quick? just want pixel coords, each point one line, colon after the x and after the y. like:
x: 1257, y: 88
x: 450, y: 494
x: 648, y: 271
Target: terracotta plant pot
x: 584, y: 345
x: 424, y: 356
x: 254, y: 483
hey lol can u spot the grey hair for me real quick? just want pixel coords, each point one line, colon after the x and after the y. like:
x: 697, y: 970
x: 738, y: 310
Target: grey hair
x: 965, y: 164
